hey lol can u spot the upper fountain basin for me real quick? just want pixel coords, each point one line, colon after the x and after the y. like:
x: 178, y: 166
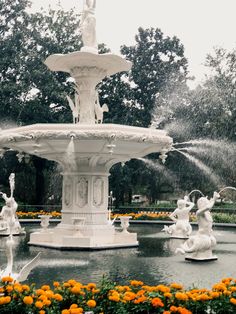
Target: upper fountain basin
x: 110, y: 141
x: 109, y: 63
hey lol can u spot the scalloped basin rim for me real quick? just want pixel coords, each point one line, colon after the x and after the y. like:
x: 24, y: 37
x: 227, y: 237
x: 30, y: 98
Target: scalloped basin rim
x: 111, y: 63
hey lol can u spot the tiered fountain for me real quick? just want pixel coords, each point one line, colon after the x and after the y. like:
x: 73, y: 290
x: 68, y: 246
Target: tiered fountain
x: 86, y: 150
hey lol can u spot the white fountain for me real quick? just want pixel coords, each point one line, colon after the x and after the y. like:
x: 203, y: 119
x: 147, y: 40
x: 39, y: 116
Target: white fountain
x: 86, y: 150
x: 9, y: 223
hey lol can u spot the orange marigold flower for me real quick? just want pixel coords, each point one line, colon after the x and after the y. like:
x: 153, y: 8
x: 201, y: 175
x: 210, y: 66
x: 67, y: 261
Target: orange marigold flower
x: 7, y: 279
x: 9, y: 289
x: 72, y: 282
x: 58, y: 297
x: 5, y: 300
x: 45, y: 287
x: 76, y: 289
x: 136, y: 283
x: 25, y: 287
x: 91, y: 286
x: 174, y: 309
x: 91, y: 303
x: 181, y: 296
x: 233, y: 289
x: 74, y: 306
x: 176, y: 286
x: 76, y: 311
x: 39, y: 304
x: 156, y: 302
x: 56, y: 284
x: 168, y: 295
x: 40, y: 291
x: 28, y: 300
x: 65, y: 312
x: 233, y: 301
x: 42, y: 312
x: 114, y: 297
x: 129, y: 296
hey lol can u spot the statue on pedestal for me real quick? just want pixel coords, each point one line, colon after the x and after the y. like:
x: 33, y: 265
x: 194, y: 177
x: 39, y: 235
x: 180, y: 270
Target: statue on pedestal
x: 182, y: 228
x: 9, y: 223
x: 199, y: 247
x: 88, y: 25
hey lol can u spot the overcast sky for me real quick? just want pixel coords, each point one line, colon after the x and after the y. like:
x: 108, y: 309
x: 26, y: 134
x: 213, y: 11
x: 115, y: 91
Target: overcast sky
x: 199, y: 24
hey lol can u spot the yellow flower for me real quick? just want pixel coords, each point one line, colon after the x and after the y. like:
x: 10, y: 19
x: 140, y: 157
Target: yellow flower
x: 28, y: 300
x: 91, y: 303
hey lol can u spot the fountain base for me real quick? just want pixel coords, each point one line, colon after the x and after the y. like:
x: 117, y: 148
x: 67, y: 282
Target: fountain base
x: 87, y: 237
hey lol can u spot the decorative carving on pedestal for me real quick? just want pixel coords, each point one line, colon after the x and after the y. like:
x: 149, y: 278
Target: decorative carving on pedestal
x: 98, y: 191
x: 82, y: 192
x: 68, y: 192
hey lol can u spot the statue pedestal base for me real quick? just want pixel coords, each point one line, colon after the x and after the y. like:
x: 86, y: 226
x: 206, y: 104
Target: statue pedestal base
x: 207, y: 259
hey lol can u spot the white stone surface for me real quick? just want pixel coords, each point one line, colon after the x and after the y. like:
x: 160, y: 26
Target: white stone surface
x: 199, y: 246
x: 182, y: 228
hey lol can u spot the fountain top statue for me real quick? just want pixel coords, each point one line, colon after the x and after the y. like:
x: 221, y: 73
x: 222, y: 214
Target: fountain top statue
x: 88, y: 27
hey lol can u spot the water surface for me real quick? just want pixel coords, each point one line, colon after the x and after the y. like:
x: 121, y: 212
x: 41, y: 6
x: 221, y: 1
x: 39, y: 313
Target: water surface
x: 153, y: 262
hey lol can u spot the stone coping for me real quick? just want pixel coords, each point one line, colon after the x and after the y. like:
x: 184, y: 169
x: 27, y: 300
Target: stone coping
x: 160, y: 222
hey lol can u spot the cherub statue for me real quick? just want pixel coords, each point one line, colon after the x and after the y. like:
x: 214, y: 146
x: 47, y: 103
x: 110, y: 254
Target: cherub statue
x: 8, y: 213
x: 182, y: 228
x: 199, y: 246
x: 99, y: 110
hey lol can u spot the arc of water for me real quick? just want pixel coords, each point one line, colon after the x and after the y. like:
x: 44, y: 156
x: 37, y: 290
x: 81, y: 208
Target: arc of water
x: 193, y: 191
x: 227, y: 188
x: 201, y: 166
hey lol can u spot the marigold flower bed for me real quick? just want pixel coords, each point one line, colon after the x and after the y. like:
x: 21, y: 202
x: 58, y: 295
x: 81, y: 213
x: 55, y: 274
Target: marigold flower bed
x: 73, y: 297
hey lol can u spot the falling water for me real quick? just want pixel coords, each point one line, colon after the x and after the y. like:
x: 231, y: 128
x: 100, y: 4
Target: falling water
x: 70, y: 154
x: 214, y: 178
x: 160, y: 168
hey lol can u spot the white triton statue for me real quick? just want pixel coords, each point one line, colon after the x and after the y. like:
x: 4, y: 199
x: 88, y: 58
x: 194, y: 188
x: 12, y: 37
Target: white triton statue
x: 88, y: 26
x: 199, y: 247
x: 99, y: 110
x: 9, y: 223
x: 182, y: 228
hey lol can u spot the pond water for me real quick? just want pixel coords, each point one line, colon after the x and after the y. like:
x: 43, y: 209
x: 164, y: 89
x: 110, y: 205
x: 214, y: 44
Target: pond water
x: 153, y: 262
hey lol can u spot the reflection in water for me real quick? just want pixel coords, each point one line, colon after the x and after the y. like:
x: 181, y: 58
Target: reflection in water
x: 153, y: 261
